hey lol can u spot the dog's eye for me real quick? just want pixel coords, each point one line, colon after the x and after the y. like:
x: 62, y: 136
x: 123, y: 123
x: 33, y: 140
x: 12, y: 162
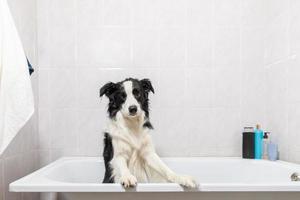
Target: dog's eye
x: 123, y: 95
x: 136, y: 92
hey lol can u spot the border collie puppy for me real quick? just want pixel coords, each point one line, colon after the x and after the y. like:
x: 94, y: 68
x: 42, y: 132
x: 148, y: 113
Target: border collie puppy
x: 129, y: 154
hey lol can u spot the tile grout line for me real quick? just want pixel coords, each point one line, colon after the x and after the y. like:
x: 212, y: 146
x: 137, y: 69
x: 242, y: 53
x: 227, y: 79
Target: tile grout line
x: 76, y: 64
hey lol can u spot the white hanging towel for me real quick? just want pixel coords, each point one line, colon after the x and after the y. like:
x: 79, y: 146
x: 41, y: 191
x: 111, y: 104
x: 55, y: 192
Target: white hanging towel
x: 16, y: 98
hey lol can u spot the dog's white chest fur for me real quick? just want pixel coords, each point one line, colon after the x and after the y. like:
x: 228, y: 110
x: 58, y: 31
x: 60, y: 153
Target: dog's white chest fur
x: 132, y: 142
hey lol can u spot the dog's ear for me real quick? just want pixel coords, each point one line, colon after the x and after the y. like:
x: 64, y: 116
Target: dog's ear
x: 108, y: 89
x: 146, y: 84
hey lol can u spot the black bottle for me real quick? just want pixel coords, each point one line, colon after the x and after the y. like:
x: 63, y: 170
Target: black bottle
x: 248, y: 142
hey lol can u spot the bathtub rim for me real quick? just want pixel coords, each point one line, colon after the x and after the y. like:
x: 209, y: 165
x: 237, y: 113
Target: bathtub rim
x: 44, y: 184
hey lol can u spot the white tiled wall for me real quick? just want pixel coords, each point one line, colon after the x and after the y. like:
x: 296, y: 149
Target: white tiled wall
x: 215, y: 65
x: 21, y: 156
x: 201, y: 55
x: 281, y: 55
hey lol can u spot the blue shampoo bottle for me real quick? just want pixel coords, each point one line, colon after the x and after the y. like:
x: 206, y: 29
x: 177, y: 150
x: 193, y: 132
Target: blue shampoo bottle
x: 259, y: 134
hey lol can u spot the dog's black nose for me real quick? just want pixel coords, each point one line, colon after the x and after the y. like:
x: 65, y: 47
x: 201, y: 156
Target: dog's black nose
x: 132, y: 110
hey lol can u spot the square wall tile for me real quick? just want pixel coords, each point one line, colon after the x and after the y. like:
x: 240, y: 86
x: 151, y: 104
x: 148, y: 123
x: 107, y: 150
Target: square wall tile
x: 252, y: 48
x: 107, y: 47
x: 63, y: 86
x: 253, y: 95
x: 226, y: 87
x: 145, y: 48
x: 91, y: 80
x: 252, y: 112
x: 89, y: 14
x: 227, y: 128
x: 198, y: 88
x: 198, y: 126
x: 172, y: 48
x: 227, y: 47
x: 62, y: 47
x: 61, y: 28
x: 145, y: 13
x: 170, y: 126
x: 172, y: 13
x: 227, y: 13
x: 64, y: 129
x: 276, y: 40
x: 277, y: 90
x: 199, y: 47
x: 274, y: 9
x: 91, y: 127
x: 62, y: 13
x: 253, y: 14
x: 200, y: 13
x: 89, y: 47
x: 170, y: 89
x: 117, y: 12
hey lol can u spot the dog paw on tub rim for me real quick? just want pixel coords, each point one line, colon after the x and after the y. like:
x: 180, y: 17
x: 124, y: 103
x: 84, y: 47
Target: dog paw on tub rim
x: 186, y: 181
x: 128, y: 181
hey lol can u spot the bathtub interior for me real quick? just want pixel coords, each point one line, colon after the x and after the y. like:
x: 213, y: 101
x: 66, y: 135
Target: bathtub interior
x: 205, y: 170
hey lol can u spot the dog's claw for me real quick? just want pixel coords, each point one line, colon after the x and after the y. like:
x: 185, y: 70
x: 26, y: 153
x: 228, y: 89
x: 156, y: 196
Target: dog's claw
x: 187, y: 181
x: 128, y: 181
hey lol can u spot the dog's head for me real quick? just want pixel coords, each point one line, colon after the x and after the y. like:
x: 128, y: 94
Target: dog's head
x: 130, y: 97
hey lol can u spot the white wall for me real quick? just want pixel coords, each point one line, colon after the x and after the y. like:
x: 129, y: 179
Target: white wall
x: 282, y: 52
x: 21, y: 156
x: 202, y: 57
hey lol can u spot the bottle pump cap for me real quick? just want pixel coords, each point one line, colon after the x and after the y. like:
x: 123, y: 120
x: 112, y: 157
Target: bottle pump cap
x: 266, y: 135
x: 257, y: 126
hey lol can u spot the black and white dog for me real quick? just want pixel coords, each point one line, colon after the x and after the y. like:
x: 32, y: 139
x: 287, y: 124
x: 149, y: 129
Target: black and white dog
x: 129, y: 154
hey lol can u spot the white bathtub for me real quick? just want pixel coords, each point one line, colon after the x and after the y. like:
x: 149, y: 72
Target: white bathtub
x: 81, y: 177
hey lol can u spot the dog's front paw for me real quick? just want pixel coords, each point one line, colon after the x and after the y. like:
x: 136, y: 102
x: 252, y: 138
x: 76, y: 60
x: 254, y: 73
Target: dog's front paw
x: 186, y: 181
x: 128, y: 181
